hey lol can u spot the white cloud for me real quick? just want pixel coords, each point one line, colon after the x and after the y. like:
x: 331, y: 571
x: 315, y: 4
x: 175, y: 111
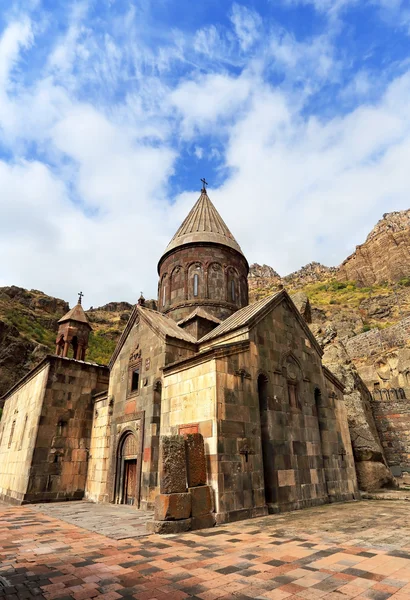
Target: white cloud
x: 91, y: 208
x: 247, y: 24
x: 202, y: 102
x: 18, y: 35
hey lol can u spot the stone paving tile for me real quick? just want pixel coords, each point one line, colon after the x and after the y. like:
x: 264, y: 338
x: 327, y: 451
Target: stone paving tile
x: 116, y: 521
x: 335, y: 552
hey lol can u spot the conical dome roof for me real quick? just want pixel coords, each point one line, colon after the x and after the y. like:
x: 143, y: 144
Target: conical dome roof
x: 76, y: 314
x: 203, y: 224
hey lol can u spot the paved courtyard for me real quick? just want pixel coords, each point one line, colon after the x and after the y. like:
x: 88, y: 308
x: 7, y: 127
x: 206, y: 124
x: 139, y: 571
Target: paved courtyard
x: 357, y: 550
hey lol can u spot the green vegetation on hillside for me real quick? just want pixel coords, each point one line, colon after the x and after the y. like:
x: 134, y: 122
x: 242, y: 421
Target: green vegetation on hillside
x: 30, y: 328
x: 100, y: 348
x: 346, y: 293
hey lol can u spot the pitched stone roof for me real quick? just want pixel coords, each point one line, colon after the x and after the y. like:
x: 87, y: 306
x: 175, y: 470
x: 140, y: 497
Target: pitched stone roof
x: 162, y: 324
x: 76, y: 314
x: 165, y: 325
x: 253, y: 312
x: 199, y: 312
x: 203, y: 224
x: 239, y: 319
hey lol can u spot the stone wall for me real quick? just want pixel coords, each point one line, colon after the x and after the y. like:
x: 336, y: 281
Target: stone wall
x: 216, y: 267
x: 393, y: 424
x: 308, y: 438
x: 287, y: 447
x: 377, y: 340
x: 46, y: 429
x: 18, y: 433
x: 388, y: 378
x: 60, y: 458
x: 189, y: 406
x: 139, y: 411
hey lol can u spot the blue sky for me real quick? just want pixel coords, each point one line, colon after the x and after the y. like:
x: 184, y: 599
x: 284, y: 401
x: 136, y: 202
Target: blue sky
x: 296, y: 111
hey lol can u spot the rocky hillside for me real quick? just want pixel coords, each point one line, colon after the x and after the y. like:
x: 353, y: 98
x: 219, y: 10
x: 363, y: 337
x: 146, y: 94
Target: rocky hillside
x: 385, y: 255
x: 28, y: 326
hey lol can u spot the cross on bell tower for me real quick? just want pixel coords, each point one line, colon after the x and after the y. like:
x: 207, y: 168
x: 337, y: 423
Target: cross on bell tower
x: 73, y: 332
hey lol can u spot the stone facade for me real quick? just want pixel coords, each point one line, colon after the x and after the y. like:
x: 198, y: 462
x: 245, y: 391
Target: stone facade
x: 274, y: 420
x: 46, y: 430
x: 222, y: 285
x: 236, y: 392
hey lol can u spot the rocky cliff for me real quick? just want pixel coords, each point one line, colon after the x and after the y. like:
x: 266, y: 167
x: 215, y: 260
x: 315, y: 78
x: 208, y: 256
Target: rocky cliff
x: 28, y: 326
x: 384, y: 256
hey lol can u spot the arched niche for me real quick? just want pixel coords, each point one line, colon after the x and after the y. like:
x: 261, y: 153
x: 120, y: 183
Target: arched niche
x: 177, y: 284
x: 232, y: 286
x: 196, y: 283
x: 243, y: 291
x: 293, y: 373
x: 216, y: 282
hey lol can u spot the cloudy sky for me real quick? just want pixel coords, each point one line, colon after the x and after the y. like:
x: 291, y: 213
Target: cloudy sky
x: 296, y: 111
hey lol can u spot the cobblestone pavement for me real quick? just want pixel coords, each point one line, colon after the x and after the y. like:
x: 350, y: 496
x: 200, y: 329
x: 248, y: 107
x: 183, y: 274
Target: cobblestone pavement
x: 341, y: 551
x: 116, y: 521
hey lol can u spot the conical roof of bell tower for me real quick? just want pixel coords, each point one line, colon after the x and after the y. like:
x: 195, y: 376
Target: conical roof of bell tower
x: 76, y: 314
x: 203, y: 224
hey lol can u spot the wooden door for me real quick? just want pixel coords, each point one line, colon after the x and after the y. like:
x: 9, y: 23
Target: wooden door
x: 130, y: 482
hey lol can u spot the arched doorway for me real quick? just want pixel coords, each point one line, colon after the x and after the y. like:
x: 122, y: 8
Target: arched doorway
x: 127, y: 488
x: 267, y: 449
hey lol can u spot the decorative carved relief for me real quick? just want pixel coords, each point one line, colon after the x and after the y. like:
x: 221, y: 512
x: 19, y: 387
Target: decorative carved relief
x: 136, y: 355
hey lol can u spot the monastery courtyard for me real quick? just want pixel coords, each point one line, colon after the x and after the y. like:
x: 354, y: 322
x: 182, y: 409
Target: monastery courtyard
x: 332, y: 552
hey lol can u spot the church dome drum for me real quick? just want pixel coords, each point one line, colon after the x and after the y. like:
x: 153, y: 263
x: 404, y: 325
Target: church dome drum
x: 202, y: 266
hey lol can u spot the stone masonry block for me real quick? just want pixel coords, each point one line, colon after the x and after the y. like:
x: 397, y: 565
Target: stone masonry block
x: 166, y: 527
x: 195, y: 459
x: 173, y: 465
x: 202, y: 502
x: 171, y: 507
x: 203, y: 522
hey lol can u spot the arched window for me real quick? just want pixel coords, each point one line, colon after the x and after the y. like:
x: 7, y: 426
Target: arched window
x: 13, y: 425
x: 164, y: 294
x: 196, y: 282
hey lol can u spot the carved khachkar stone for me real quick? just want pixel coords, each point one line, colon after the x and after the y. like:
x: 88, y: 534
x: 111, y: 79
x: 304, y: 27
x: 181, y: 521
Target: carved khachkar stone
x: 195, y: 459
x: 173, y: 465
x: 171, y: 507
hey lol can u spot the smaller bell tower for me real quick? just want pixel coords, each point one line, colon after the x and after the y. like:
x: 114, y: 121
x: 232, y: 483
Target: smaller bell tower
x: 73, y: 333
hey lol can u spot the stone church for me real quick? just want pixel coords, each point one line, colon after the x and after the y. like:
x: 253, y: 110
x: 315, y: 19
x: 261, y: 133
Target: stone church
x: 248, y: 377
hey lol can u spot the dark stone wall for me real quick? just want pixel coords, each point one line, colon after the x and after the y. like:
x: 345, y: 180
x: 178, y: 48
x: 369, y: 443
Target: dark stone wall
x: 392, y: 416
x: 290, y: 449
x: 139, y: 410
x: 222, y: 281
x: 60, y: 458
